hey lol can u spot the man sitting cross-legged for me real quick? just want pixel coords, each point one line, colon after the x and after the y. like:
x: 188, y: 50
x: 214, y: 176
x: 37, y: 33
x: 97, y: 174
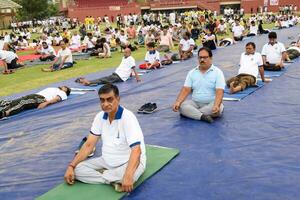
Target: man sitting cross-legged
x: 123, y: 158
x: 122, y: 73
x: 274, y: 54
x: 206, y: 83
x: 250, y: 63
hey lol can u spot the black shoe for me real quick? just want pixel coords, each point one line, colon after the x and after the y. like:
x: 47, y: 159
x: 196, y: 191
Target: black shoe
x: 150, y: 109
x: 207, y: 118
x: 141, y: 109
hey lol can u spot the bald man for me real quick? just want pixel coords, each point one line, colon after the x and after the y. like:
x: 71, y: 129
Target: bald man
x: 122, y: 73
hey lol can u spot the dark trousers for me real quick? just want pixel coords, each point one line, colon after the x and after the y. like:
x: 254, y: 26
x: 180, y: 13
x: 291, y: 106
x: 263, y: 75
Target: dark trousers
x: 243, y: 80
x: 13, y: 64
x: 238, y: 38
x: 114, y: 78
x: 271, y: 67
x: 47, y: 58
x: 16, y: 106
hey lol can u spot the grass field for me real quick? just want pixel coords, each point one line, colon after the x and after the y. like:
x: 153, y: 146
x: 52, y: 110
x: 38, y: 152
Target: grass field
x: 32, y: 77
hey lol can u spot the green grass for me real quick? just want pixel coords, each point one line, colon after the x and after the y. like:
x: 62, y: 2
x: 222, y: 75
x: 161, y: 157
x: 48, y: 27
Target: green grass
x: 32, y: 77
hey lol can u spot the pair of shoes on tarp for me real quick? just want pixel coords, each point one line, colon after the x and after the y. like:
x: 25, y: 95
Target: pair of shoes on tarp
x: 148, y: 108
x: 81, y: 144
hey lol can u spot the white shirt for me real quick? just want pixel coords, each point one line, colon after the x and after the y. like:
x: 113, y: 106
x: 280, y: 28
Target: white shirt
x: 89, y: 43
x: 151, y: 58
x: 7, y: 56
x: 253, y: 29
x: 2, y: 44
x: 119, y: 136
x: 238, y: 31
x: 273, y: 53
x: 125, y: 68
x: 186, y: 44
x: 222, y: 27
x: 51, y: 93
x: 75, y: 40
x: 50, y: 50
x: 249, y: 63
x: 123, y: 39
x: 67, y: 52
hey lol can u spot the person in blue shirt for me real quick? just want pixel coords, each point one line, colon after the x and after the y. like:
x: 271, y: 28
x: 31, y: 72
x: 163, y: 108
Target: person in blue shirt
x: 206, y: 82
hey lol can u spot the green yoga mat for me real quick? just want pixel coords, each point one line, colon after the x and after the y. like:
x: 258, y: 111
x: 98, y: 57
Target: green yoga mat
x: 157, y: 158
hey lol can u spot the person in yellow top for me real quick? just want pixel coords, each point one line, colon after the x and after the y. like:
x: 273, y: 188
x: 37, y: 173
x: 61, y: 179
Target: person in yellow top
x: 86, y: 21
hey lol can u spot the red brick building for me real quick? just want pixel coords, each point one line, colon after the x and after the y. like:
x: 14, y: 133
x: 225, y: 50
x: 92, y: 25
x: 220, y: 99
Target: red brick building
x: 95, y: 8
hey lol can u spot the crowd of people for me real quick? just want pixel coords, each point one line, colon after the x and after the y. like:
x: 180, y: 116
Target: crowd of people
x: 123, y: 162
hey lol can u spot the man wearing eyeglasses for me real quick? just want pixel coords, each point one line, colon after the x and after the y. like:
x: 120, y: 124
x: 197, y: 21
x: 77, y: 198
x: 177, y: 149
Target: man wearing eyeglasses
x: 123, y: 158
x: 206, y: 83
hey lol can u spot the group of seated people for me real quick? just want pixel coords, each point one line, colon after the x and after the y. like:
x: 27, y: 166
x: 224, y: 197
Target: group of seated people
x: 122, y: 166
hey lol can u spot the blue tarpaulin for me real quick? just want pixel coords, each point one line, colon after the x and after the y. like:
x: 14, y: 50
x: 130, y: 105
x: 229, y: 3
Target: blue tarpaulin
x: 252, y: 152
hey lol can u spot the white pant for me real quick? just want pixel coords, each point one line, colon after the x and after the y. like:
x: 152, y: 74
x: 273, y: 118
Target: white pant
x: 195, y: 110
x: 89, y: 171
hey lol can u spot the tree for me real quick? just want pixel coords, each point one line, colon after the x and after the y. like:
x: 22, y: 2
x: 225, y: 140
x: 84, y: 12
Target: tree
x: 36, y: 9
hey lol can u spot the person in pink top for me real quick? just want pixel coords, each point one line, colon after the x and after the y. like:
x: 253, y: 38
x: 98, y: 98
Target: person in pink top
x: 131, y: 32
x: 166, y: 42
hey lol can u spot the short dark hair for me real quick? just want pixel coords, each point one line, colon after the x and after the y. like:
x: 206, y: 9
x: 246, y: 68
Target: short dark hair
x: 107, y: 88
x: 272, y: 35
x: 208, y: 50
x: 151, y: 45
x: 252, y: 44
x: 65, y: 40
x: 68, y: 92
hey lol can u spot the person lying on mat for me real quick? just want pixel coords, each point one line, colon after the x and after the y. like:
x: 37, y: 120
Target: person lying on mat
x: 273, y: 53
x: 47, y: 52
x: 123, y: 158
x: 9, y: 60
x: 122, y: 73
x: 250, y: 64
x: 39, y: 100
x: 206, y: 83
x: 65, y: 57
x: 152, y: 58
x: 186, y: 46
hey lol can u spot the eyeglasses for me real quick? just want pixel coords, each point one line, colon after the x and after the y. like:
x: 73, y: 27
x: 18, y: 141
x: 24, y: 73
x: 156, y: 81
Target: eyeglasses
x: 203, y: 57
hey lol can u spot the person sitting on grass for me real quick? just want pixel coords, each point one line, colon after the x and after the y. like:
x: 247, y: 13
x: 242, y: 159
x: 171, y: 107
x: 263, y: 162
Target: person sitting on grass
x: 152, y: 59
x: 123, y: 158
x: 140, y: 39
x: 186, y: 46
x: 209, y: 40
x: 122, y: 73
x: 39, y: 100
x: 250, y: 64
x: 47, y: 52
x: 106, y: 49
x: 9, y: 60
x: 165, y: 41
x: 65, y: 57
